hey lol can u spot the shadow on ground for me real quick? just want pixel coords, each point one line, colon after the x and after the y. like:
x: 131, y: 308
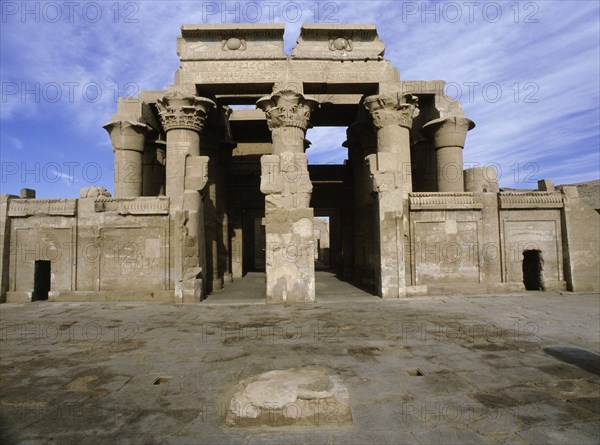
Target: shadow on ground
x: 586, y: 360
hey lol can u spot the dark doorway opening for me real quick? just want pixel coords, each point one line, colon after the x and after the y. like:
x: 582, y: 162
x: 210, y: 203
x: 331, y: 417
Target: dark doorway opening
x: 41, y: 280
x: 322, y: 240
x: 533, y: 266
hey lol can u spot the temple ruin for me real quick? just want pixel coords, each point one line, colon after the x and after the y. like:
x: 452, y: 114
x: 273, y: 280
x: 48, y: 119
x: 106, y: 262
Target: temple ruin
x: 206, y: 190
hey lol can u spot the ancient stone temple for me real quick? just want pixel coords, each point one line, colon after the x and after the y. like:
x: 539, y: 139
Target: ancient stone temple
x: 212, y: 181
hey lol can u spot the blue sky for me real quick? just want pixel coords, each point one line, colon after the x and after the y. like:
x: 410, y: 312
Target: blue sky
x: 526, y: 72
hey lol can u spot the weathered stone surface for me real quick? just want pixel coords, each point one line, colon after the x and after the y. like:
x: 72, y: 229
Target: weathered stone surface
x: 205, y: 192
x: 94, y: 192
x: 26, y: 193
x: 343, y: 42
x: 227, y: 42
x: 298, y: 396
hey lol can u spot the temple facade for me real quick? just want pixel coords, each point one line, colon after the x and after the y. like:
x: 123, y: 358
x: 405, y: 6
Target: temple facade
x: 212, y: 181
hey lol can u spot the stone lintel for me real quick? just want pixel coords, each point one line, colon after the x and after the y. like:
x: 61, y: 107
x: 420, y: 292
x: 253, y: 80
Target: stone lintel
x: 151, y: 96
x: 443, y: 201
x: 231, y: 41
x: 150, y: 205
x: 238, y: 72
x: 42, y: 207
x: 423, y: 86
x: 531, y: 200
x: 338, y: 42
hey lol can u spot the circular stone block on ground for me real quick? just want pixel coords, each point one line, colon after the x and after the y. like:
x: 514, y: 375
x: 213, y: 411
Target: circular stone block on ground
x: 297, y: 396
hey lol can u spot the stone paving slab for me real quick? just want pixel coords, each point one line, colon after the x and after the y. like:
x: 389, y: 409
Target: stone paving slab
x: 521, y: 369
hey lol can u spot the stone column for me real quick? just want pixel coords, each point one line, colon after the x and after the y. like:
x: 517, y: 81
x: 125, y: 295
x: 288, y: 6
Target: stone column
x: 359, y: 140
x: 183, y: 119
x: 424, y: 166
x: 448, y: 138
x: 153, y: 174
x: 237, y: 255
x: 390, y: 170
x: 288, y: 215
x: 127, y: 138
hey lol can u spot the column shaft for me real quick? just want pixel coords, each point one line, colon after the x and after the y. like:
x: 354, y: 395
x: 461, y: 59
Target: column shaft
x: 287, y: 188
x: 128, y: 173
x: 128, y: 139
x: 450, y: 169
x: 186, y: 172
x: 448, y: 139
x: 390, y: 170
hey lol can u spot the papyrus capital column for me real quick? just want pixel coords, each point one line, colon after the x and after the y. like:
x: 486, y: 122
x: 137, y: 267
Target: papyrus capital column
x: 448, y: 138
x: 392, y: 116
x: 392, y: 109
x: 183, y: 118
x: 128, y: 139
x: 286, y: 184
x: 179, y: 111
x: 288, y: 118
x: 390, y: 171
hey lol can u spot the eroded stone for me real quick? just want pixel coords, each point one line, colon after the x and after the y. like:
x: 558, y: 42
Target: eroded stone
x: 297, y: 396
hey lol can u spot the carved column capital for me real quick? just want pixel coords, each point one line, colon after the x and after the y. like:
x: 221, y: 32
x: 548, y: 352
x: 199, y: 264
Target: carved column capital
x: 127, y: 134
x: 398, y: 109
x: 287, y: 108
x: 179, y: 111
x: 448, y: 132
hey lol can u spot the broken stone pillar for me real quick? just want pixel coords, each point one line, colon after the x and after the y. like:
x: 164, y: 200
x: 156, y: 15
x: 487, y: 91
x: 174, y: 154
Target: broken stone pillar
x: 448, y: 138
x: 481, y: 180
x: 290, y: 397
x: 546, y: 185
x: 287, y: 188
x: 390, y: 170
x: 26, y: 193
x: 183, y: 117
x: 153, y: 174
x: 127, y: 138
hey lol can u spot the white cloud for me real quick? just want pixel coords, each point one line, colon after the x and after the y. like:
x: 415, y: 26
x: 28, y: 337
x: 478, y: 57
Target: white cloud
x: 558, y: 55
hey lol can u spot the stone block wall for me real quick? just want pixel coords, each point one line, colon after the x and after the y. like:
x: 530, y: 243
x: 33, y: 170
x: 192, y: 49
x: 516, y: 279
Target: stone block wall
x: 98, y: 248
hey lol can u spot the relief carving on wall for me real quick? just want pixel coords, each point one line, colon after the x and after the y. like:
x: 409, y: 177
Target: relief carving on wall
x: 233, y: 44
x: 340, y: 44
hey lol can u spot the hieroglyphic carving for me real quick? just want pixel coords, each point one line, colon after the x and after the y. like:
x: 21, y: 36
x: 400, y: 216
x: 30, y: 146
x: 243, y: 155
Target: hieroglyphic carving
x: 133, y: 206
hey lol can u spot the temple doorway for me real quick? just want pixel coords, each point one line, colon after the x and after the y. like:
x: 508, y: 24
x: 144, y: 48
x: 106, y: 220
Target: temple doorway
x: 41, y: 280
x: 533, y: 266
